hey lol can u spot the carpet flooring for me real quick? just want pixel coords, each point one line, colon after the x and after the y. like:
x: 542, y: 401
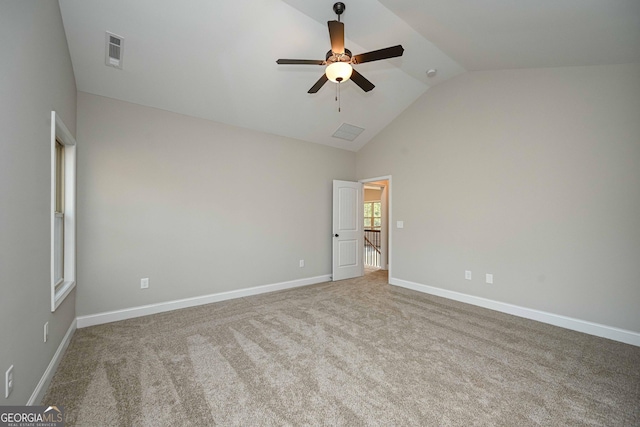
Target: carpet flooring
x: 352, y: 353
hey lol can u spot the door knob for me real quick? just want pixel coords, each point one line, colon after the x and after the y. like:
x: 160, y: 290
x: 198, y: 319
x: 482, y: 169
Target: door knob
x: 337, y: 235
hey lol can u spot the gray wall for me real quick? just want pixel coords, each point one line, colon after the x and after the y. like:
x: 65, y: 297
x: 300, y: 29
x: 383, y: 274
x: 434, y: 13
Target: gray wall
x: 532, y: 175
x: 35, y: 77
x: 197, y: 206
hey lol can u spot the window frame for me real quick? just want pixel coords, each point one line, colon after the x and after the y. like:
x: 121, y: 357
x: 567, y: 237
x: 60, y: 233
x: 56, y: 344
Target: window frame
x: 373, y: 217
x: 58, y: 269
x: 61, y: 287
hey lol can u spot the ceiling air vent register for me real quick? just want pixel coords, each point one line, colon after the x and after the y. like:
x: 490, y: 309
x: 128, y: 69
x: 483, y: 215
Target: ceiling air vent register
x: 114, y: 50
x: 347, y: 132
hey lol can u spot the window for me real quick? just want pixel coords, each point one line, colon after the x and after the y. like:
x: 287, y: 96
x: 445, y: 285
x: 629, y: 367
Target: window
x: 372, y: 215
x: 63, y: 229
x: 58, y: 225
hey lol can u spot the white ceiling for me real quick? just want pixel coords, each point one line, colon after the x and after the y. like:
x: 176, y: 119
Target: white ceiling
x: 216, y: 60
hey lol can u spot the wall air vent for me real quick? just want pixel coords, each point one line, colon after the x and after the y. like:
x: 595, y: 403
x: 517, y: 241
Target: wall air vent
x: 114, y: 50
x: 347, y: 132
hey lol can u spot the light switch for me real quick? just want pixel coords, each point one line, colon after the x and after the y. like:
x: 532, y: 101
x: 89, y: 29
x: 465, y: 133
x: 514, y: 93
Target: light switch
x: 400, y: 224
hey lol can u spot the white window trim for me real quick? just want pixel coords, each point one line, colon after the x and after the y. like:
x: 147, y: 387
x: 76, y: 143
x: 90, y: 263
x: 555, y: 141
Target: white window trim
x: 60, y: 132
x: 372, y: 217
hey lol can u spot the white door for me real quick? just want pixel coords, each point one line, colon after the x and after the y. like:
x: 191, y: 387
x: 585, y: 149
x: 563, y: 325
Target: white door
x: 348, y: 236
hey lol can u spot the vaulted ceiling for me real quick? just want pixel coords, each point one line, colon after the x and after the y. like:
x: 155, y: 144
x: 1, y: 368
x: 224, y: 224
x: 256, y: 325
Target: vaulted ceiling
x: 217, y: 60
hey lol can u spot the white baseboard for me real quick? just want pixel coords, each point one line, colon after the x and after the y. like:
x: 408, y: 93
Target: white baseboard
x: 616, y: 334
x: 41, y: 388
x: 145, y: 310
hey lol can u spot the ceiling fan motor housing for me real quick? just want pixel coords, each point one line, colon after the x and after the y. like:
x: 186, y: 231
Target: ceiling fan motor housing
x: 345, y: 57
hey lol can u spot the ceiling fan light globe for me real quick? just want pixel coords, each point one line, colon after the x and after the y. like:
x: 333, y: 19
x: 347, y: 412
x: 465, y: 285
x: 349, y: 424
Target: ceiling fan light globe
x: 339, y: 72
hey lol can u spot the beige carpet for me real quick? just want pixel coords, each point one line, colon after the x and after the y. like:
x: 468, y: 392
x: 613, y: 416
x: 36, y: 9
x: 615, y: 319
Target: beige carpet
x: 352, y: 353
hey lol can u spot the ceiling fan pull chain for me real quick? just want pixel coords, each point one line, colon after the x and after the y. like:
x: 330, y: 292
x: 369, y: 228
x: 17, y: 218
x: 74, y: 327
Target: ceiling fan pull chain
x: 338, y: 97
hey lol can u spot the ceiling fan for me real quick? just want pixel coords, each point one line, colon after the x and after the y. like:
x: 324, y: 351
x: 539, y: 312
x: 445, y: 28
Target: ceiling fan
x: 340, y: 61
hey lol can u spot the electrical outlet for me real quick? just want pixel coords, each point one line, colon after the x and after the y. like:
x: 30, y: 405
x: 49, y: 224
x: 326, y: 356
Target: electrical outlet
x: 301, y: 263
x: 144, y: 283
x: 467, y: 274
x: 8, y: 382
x: 46, y: 331
x: 489, y: 278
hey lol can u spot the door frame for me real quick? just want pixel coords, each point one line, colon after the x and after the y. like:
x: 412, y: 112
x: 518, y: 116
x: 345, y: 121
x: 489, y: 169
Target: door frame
x: 387, y: 214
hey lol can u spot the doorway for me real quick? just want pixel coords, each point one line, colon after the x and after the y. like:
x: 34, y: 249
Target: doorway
x: 377, y: 217
x: 372, y: 226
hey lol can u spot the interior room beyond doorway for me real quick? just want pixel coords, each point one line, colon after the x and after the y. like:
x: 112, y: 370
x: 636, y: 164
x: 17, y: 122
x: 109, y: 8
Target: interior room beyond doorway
x: 375, y: 224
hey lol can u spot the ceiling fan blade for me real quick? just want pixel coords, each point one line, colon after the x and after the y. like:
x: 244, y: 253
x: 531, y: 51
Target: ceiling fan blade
x: 376, y: 55
x: 359, y: 79
x: 301, y: 61
x: 316, y: 87
x: 336, y: 33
